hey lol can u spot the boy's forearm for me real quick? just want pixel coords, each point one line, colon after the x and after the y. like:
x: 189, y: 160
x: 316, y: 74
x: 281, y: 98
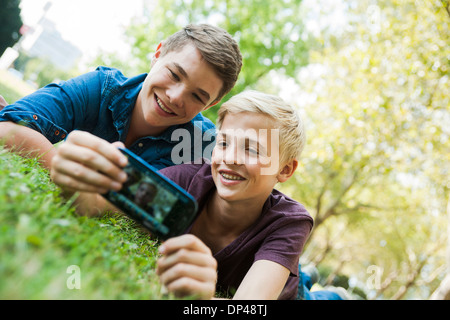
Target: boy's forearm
x: 30, y: 143
x: 92, y: 205
x: 26, y: 142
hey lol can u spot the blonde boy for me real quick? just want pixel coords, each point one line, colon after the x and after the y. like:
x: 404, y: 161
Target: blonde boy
x: 247, y: 237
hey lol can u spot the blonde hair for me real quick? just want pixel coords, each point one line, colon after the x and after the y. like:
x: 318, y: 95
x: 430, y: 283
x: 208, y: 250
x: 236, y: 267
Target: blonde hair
x: 292, y: 135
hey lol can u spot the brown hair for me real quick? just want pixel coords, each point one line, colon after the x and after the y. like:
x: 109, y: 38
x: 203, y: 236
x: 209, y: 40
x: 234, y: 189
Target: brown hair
x: 216, y: 46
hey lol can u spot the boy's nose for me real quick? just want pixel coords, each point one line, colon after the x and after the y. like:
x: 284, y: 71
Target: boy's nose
x: 176, y: 95
x: 234, y: 155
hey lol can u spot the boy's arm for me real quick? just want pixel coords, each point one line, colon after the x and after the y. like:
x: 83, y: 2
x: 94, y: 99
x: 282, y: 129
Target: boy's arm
x: 86, y: 163
x: 258, y: 286
x: 187, y: 267
x: 26, y: 142
x: 90, y: 166
x: 32, y: 124
x: 92, y: 204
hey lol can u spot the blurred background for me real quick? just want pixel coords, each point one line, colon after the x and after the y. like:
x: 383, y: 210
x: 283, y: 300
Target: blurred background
x: 369, y: 77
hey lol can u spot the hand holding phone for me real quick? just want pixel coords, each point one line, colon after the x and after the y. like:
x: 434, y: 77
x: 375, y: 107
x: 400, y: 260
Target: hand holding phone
x: 153, y: 200
x: 87, y: 163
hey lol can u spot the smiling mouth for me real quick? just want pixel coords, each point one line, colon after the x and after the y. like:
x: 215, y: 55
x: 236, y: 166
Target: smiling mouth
x: 162, y: 106
x: 229, y: 176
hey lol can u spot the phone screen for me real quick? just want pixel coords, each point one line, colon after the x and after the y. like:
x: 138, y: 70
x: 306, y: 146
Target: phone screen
x: 148, y: 194
x: 153, y: 200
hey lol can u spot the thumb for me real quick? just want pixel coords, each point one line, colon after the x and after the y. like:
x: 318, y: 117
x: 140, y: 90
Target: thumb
x: 119, y: 144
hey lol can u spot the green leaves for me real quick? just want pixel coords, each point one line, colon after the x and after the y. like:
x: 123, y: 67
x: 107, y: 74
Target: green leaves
x: 377, y: 159
x: 269, y: 34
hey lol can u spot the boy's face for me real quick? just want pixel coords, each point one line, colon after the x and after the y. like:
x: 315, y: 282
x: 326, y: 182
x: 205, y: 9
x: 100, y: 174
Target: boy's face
x: 179, y: 86
x: 145, y: 193
x: 246, y: 148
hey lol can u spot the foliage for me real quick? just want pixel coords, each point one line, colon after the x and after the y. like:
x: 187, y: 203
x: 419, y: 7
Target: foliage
x: 41, y: 238
x: 41, y: 71
x: 375, y: 173
x: 12, y: 88
x: 268, y: 33
x: 11, y: 23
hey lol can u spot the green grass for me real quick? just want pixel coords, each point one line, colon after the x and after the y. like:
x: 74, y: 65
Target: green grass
x: 12, y: 88
x: 41, y: 237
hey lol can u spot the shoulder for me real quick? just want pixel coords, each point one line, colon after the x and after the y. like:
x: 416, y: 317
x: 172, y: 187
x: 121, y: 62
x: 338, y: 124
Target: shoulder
x: 198, y: 139
x: 107, y: 71
x: 194, y: 177
x: 113, y: 77
x: 203, y: 122
x: 286, y: 225
x: 284, y: 207
x: 189, y: 174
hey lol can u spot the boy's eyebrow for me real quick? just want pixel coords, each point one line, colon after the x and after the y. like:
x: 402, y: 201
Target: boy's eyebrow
x: 184, y: 74
x: 181, y: 70
x: 247, y: 139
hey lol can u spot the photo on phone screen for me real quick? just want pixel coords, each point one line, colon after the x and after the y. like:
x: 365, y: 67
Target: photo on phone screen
x: 148, y: 194
x: 153, y: 200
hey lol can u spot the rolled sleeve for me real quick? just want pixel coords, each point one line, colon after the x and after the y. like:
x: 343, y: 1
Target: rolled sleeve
x: 46, y: 127
x: 57, y: 109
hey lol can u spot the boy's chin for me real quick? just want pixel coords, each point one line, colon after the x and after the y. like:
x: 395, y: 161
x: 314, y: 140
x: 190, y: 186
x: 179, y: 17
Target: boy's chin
x: 228, y: 196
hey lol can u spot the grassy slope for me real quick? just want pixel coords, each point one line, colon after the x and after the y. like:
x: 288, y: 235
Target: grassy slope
x: 41, y: 237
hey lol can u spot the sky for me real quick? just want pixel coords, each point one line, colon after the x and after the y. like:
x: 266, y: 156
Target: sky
x: 89, y: 24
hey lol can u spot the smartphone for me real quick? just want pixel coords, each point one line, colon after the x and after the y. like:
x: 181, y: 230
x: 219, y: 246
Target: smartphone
x: 151, y: 199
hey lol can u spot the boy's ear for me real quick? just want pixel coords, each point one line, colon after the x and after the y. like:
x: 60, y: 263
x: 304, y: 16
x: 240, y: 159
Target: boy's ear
x: 287, y: 171
x: 212, y: 104
x: 157, y: 53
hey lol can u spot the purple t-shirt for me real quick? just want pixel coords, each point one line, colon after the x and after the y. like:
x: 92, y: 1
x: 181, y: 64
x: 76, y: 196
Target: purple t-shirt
x: 278, y: 235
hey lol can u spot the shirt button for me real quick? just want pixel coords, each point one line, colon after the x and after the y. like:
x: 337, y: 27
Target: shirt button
x: 140, y: 145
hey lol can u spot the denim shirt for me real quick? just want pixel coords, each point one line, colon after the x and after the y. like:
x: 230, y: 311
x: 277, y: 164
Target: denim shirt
x: 101, y: 102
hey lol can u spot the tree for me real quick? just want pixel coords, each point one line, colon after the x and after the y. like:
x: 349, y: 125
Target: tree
x: 375, y: 172
x: 11, y: 23
x: 268, y: 33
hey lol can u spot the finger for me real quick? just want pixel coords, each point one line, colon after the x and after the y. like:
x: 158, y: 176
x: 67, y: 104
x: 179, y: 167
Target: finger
x: 118, y: 144
x: 101, y: 146
x: 72, y: 175
x: 92, y: 161
x: 183, y: 287
x: 182, y: 270
x: 71, y: 185
x: 187, y: 257
x: 187, y: 241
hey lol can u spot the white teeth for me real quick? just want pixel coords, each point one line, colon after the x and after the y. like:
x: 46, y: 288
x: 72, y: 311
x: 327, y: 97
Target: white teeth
x: 161, y: 105
x: 231, y: 177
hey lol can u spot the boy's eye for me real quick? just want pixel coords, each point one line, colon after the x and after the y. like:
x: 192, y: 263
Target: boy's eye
x: 251, y: 147
x: 196, y: 96
x: 222, y: 143
x: 252, y: 151
x: 174, y: 76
